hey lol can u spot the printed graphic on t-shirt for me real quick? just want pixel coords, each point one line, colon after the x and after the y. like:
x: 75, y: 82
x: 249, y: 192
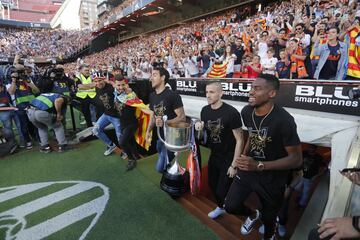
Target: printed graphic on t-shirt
x: 258, y: 141
x: 105, y: 100
x: 119, y: 106
x: 215, y: 130
x: 160, y: 109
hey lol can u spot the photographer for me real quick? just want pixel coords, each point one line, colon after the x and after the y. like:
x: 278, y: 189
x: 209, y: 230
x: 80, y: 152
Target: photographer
x: 47, y: 110
x: 24, y: 91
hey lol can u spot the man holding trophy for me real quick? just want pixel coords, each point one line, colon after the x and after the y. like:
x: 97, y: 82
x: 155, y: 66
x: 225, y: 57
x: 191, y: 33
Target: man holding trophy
x: 163, y: 102
x: 222, y: 123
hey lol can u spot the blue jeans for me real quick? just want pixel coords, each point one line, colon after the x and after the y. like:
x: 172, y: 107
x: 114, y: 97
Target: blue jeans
x: 5, y: 118
x: 307, y: 183
x: 102, y: 123
x: 164, y: 156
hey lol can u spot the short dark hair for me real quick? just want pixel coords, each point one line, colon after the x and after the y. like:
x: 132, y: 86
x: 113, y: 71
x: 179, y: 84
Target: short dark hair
x: 271, y: 79
x: 119, y: 77
x: 163, y: 72
x: 334, y: 27
x: 300, y: 24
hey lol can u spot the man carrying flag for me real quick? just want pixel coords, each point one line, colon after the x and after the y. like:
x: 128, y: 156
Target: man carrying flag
x: 127, y: 105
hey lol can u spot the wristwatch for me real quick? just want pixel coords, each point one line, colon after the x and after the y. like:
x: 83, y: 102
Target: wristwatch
x: 260, y: 166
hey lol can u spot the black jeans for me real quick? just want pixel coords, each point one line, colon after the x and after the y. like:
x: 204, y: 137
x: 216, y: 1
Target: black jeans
x: 271, y: 197
x: 218, y: 180
x: 85, y: 108
x: 127, y: 140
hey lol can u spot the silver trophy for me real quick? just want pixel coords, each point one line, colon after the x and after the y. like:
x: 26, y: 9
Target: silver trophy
x: 177, y: 139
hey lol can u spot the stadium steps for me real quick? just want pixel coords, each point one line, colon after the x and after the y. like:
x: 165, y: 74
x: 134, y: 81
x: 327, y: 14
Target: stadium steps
x: 226, y: 226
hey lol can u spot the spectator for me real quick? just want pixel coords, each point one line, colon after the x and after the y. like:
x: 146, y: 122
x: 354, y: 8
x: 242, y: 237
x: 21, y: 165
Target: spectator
x: 333, y: 57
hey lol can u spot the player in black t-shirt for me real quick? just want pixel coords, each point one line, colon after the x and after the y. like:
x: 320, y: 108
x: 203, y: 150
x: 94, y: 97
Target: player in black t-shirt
x: 128, y: 121
x: 273, y: 147
x: 105, y: 100
x: 222, y: 124
x: 163, y: 102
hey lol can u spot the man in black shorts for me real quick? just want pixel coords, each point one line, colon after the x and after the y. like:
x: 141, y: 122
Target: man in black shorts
x: 273, y: 147
x: 222, y: 124
x: 163, y: 102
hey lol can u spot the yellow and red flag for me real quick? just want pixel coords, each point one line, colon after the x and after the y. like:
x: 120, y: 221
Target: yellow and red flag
x: 218, y: 70
x: 143, y: 115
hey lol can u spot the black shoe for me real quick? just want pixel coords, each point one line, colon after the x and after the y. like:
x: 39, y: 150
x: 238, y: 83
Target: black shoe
x: 45, y: 149
x: 131, y: 164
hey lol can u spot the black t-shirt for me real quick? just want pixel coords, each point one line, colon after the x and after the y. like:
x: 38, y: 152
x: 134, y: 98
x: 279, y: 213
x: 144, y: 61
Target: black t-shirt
x: 311, y: 164
x: 165, y: 103
x: 219, y: 124
x: 239, y: 52
x: 127, y: 114
x: 278, y: 130
x: 282, y: 70
x: 105, y: 97
x: 330, y: 67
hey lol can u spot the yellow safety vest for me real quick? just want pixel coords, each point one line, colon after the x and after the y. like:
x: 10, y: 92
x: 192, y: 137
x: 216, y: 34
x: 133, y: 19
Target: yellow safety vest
x: 84, y: 93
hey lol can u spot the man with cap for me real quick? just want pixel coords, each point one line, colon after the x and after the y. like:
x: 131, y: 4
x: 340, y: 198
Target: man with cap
x: 47, y: 110
x: 105, y: 95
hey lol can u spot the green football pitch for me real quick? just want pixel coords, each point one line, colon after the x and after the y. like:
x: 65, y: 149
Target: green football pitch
x: 80, y: 194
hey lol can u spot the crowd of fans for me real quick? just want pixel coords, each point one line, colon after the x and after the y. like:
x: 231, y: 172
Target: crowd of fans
x: 42, y: 43
x: 286, y: 39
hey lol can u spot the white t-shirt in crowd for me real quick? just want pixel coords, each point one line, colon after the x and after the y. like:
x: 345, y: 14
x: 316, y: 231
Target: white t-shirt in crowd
x: 190, y: 66
x: 230, y: 62
x: 269, y: 63
x: 262, y: 52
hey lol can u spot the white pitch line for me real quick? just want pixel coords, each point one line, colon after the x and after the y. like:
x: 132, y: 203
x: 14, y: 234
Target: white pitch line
x: 63, y: 220
x: 48, y: 200
x: 21, y: 190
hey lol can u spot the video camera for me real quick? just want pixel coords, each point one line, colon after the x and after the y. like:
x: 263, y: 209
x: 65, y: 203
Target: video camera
x: 19, y: 74
x: 57, y: 73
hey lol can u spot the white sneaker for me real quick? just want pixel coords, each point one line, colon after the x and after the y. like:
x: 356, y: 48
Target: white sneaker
x: 83, y: 122
x: 29, y: 145
x: 281, y: 230
x: 248, y: 226
x: 109, y: 149
x: 216, y: 213
x: 123, y: 155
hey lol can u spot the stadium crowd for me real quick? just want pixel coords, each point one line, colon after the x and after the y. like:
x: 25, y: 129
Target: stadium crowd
x: 42, y: 43
x: 287, y: 39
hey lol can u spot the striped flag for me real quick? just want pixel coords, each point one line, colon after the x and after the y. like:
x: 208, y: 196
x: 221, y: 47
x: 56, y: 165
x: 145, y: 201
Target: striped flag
x: 142, y: 113
x: 193, y: 165
x: 218, y: 70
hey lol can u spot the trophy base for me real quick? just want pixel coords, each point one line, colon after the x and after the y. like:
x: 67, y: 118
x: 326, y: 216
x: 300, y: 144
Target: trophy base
x: 175, y: 184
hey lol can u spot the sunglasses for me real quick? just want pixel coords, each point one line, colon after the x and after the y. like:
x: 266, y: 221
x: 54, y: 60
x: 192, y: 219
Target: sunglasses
x: 297, y: 29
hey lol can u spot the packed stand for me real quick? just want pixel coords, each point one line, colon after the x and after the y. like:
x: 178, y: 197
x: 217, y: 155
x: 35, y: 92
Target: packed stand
x: 292, y: 39
x: 42, y: 43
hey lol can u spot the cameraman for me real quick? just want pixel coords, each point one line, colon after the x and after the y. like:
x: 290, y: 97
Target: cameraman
x: 47, y: 111
x: 24, y: 91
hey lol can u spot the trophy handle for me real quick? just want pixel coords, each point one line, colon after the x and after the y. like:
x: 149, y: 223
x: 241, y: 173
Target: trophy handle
x: 158, y: 130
